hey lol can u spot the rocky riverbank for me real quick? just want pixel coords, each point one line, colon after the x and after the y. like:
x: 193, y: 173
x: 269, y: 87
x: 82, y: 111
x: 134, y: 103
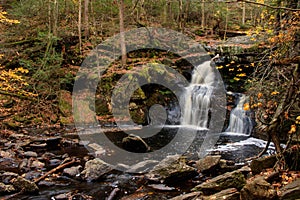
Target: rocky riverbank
x: 56, y: 165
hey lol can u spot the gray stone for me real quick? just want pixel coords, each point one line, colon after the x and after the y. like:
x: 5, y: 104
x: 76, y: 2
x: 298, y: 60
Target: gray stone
x: 171, y: 169
x: 228, y: 194
x: 24, y: 185
x: 208, y: 163
x: 189, y: 196
x: 258, y: 189
x: 258, y: 165
x: 72, y: 171
x: 290, y: 191
x: 37, y: 164
x: 30, y: 154
x: 233, y: 179
x: 95, y: 169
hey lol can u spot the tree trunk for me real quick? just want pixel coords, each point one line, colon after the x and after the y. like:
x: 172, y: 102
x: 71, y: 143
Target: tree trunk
x: 79, y: 25
x: 244, y: 12
x: 122, y: 37
x: 86, y: 19
x: 203, y: 14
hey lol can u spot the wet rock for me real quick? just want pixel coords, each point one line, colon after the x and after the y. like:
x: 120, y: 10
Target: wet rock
x: 46, y: 183
x: 135, y: 144
x: 233, y: 179
x: 258, y: 189
x: 9, y: 164
x: 32, y: 175
x: 137, y: 195
x: 54, y: 162
x: 143, y: 166
x: 25, y: 185
x: 36, y: 164
x: 227, y: 166
x: 61, y: 197
x: 161, y: 187
x: 6, y: 154
x: 30, y: 154
x: 290, y: 191
x: 6, y: 189
x: 207, y: 164
x: 7, y: 176
x: 99, y: 150
x: 95, y: 169
x: 258, y: 165
x: 228, y: 194
x: 72, y: 171
x: 171, y: 170
x: 188, y: 196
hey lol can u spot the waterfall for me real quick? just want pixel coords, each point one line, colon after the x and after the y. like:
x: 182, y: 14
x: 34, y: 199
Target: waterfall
x: 197, y: 97
x: 240, y: 120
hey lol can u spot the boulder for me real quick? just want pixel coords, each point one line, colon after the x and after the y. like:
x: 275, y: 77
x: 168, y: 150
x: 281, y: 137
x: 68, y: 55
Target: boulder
x: 135, y: 144
x: 258, y: 189
x: 234, y: 179
x: 171, y: 170
x: 290, y: 191
x: 24, y: 185
x: 208, y: 163
x: 258, y: 165
x: 95, y: 169
x: 228, y: 194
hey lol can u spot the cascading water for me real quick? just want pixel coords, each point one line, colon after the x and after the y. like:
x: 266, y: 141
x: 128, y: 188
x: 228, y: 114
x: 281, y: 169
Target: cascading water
x: 197, y: 97
x: 240, y: 120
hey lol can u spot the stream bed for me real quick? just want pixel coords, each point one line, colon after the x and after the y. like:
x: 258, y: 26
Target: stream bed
x: 52, y: 150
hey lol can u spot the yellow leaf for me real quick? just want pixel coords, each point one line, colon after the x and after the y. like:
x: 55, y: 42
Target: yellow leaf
x: 259, y: 95
x: 293, y: 129
x: 274, y: 93
x: 246, y: 106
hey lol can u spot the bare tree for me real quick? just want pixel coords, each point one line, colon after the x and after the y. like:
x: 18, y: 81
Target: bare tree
x: 79, y: 24
x: 86, y: 18
x: 122, y: 37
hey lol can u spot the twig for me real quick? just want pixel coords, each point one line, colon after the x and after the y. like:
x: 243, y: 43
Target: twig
x: 63, y: 165
x: 113, y: 194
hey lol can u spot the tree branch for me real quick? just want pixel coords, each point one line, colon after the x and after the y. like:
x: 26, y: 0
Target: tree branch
x: 269, y: 6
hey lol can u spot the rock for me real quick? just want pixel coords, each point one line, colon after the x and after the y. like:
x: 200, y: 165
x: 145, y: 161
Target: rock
x: 135, y: 144
x: 6, y: 154
x: 171, y: 170
x: 142, y: 167
x: 61, y: 197
x: 6, y: 189
x: 208, y: 163
x: 25, y: 185
x: 258, y: 165
x: 37, y: 164
x: 188, y: 196
x: 258, y: 189
x: 7, y: 176
x: 233, y: 179
x: 72, y: 171
x: 227, y: 166
x: 54, y: 162
x: 99, y: 150
x: 161, y: 187
x: 94, y: 169
x: 290, y: 191
x: 30, y: 154
x: 228, y: 194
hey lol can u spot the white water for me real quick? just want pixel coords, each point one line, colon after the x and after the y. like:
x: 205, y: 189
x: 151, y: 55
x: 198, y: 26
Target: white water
x: 197, y: 97
x: 240, y: 122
